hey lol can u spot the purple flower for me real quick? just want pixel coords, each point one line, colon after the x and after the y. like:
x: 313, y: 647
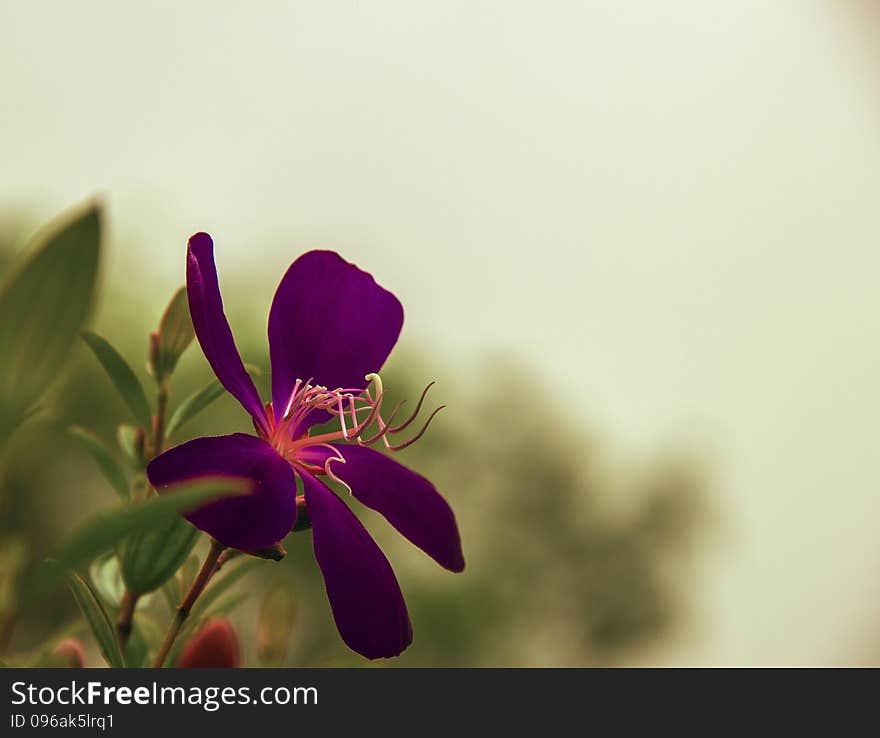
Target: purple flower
x: 331, y: 327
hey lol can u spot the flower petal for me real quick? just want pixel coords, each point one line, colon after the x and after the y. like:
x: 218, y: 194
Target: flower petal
x: 212, y: 328
x: 257, y: 520
x: 331, y: 322
x: 406, y: 499
x: 364, y: 595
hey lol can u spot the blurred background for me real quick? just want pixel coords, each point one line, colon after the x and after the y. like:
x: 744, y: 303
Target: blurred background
x: 637, y: 249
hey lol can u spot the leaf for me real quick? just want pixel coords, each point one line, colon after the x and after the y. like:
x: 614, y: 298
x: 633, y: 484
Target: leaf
x: 44, y: 303
x: 220, y: 586
x: 138, y: 646
x: 153, y: 555
x: 171, y: 594
x: 193, y: 405
x: 174, y: 335
x: 103, y: 459
x: 131, y: 442
x: 105, y: 531
x: 122, y: 376
x: 96, y: 617
x: 198, y: 401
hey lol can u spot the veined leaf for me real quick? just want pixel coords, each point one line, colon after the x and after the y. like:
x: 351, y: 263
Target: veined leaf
x: 122, y: 376
x: 105, y: 531
x: 44, y: 303
x: 96, y: 617
x: 103, y: 459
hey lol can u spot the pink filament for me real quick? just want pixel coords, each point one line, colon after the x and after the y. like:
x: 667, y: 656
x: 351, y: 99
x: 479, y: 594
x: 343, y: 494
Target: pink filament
x: 356, y: 410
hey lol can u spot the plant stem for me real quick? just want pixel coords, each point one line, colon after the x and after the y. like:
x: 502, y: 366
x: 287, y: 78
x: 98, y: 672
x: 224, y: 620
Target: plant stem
x: 129, y: 600
x: 159, y: 425
x: 126, y: 614
x: 204, y: 576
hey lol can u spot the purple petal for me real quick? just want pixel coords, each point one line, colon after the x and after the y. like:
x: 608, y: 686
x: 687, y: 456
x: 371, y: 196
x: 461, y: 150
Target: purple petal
x: 364, y: 595
x: 212, y: 328
x: 330, y: 322
x: 257, y: 520
x: 406, y: 499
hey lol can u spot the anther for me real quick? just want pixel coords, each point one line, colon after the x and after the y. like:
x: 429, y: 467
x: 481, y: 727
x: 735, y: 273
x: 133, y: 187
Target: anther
x: 418, y: 435
x: 415, y: 414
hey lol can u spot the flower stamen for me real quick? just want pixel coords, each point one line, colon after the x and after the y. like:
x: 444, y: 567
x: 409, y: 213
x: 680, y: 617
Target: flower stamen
x: 348, y: 405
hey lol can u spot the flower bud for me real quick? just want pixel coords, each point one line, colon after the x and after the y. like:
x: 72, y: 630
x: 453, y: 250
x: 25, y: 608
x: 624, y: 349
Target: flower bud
x: 214, y: 646
x: 171, y: 340
x: 275, y: 625
x: 69, y: 654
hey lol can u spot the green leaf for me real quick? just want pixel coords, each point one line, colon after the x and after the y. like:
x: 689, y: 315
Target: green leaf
x: 106, y: 531
x: 171, y: 594
x: 198, y: 401
x: 96, y: 617
x: 220, y: 586
x: 173, y: 337
x: 44, y: 303
x: 131, y: 443
x: 122, y: 376
x: 193, y: 405
x: 153, y: 555
x: 138, y: 647
x: 103, y: 459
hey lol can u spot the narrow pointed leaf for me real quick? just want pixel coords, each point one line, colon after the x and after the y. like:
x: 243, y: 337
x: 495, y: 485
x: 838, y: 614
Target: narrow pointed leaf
x: 96, y: 617
x: 198, y: 401
x: 106, y: 531
x: 102, y: 458
x: 44, y: 303
x: 122, y: 376
x: 193, y: 405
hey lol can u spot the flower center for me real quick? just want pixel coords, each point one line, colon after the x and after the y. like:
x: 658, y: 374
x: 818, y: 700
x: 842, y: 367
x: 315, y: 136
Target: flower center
x: 358, y: 413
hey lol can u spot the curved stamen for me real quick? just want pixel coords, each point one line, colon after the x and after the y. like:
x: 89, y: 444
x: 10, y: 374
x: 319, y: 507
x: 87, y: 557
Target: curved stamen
x: 384, y: 428
x: 417, y: 436
x: 415, y: 414
x: 348, y: 405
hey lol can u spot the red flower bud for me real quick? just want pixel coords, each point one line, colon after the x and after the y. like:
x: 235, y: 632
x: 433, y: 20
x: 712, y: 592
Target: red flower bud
x: 214, y: 646
x: 69, y: 654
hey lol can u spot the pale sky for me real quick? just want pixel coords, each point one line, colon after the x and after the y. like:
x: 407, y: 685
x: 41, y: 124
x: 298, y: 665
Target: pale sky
x: 669, y: 210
